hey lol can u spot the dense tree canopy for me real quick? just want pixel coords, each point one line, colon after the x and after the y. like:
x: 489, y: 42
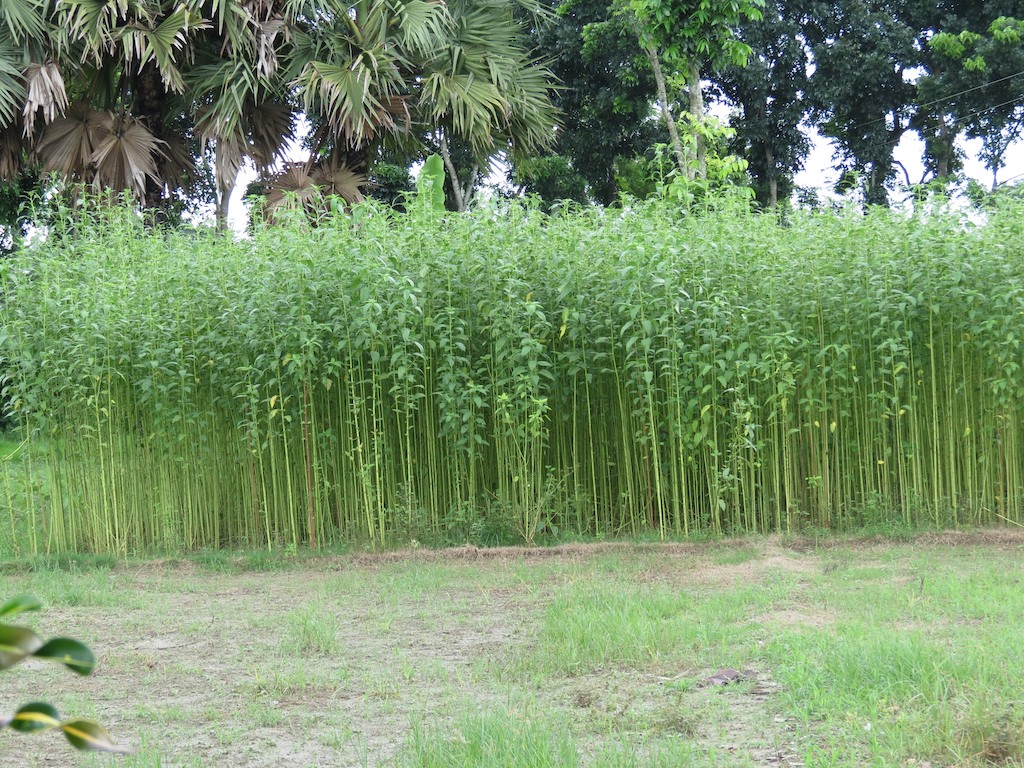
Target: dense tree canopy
x: 769, y: 95
x: 606, y: 98
x: 170, y: 98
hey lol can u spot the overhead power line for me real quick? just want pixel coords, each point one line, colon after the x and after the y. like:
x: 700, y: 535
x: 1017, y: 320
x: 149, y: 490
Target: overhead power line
x: 941, y: 99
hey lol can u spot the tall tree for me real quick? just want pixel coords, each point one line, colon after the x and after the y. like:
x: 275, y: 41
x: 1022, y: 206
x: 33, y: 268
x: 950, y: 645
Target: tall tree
x: 861, y: 92
x: 605, y: 96
x: 691, y: 36
x: 769, y: 94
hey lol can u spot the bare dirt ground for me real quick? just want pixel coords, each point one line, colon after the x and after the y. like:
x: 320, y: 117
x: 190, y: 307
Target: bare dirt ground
x: 333, y: 663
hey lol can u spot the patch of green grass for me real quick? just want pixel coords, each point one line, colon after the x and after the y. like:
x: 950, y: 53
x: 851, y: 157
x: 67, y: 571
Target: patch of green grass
x: 90, y: 588
x: 310, y: 630
x: 601, y: 623
x: 736, y: 556
x: 496, y: 739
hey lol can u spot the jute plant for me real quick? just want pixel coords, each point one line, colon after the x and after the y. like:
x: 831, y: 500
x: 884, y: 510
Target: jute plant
x: 378, y: 375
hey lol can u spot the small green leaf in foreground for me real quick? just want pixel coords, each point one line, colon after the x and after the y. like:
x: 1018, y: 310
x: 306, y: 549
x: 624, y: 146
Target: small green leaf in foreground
x: 37, y: 716
x: 16, y: 643
x: 88, y: 734
x: 71, y: 653
x: 20, y: 604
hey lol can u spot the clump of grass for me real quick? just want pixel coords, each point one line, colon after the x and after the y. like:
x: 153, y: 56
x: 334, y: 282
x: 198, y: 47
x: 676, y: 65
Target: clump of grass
x: 390, y: 377
x: 492, y: 740
x: 310, y: 630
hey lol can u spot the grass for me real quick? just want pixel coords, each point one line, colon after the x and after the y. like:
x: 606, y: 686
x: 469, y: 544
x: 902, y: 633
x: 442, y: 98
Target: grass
x: 508, y: 376
x: 857, y: 653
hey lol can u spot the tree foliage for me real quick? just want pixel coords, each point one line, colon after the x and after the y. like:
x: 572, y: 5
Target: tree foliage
x: 605, y: 97
x: 981, y: 70
x: 126, y: 95
x: 769, y: 96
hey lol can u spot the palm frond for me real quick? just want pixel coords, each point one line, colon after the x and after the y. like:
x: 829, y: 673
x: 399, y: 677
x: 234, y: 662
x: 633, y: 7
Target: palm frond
x: 94, y: 22
x: 473, y: 106
x: 12, y: 84
x: 270, y: 126
x: 224, y: 87
x: 25, y: 19
x: 423, y: 24
x: 125, y: 154
x: 267, y: 35
x: 66, y: 146
x: 104, y: 149
x: 46, y: 92
x: 360, y: 100
x: 165, y: 42
x: 299, y: 186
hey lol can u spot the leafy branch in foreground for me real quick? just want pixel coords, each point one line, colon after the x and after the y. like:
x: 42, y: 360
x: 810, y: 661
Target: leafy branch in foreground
x: 17, y: 644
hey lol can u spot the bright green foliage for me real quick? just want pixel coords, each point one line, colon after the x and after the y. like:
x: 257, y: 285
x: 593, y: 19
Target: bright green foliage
x: 430, y: 183
x: 599, y: 372
x: 705, y: 30
x: 17, y: 644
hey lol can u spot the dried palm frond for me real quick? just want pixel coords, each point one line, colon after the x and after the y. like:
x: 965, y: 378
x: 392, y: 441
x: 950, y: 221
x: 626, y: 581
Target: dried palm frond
x: 300, y: 187
x: 270, y: 124
x: 66, y: 146
x: 176, y: 164
x: 125, y: 154
x: 103, y: 149
x: 46, y: 92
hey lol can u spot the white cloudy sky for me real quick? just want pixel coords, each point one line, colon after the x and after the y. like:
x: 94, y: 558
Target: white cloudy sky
x: 819, y: 171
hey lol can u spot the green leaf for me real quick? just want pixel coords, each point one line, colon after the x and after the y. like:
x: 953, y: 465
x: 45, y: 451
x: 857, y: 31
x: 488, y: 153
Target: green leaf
x: 16, y: 643
x: 431, y: 182
x: 88, y: 734
x: 20, y: 604
x: 37, y: 716
x: 71, y: 653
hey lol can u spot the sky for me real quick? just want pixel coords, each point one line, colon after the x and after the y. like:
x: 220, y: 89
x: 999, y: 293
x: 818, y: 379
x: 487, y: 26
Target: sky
x: 819, y: 171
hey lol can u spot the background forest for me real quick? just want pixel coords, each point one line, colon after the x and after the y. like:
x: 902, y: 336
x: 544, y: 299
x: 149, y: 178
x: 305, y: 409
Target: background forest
x: 580, y: 100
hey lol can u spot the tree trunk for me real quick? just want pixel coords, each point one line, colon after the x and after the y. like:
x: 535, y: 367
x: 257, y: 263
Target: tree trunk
x: 944, y: 149
x: 151, y: 109
x: 461, y: 201
x: 666, y: 113
x: 773, y: 179
x: 696, y: 109
x: 876, y: 193
x: 220, y: 212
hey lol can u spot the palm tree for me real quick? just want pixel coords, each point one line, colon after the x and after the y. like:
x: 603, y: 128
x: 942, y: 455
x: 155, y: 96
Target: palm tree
x: 30, y: 79
x: 156, y: 83
x: 379, y: 73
